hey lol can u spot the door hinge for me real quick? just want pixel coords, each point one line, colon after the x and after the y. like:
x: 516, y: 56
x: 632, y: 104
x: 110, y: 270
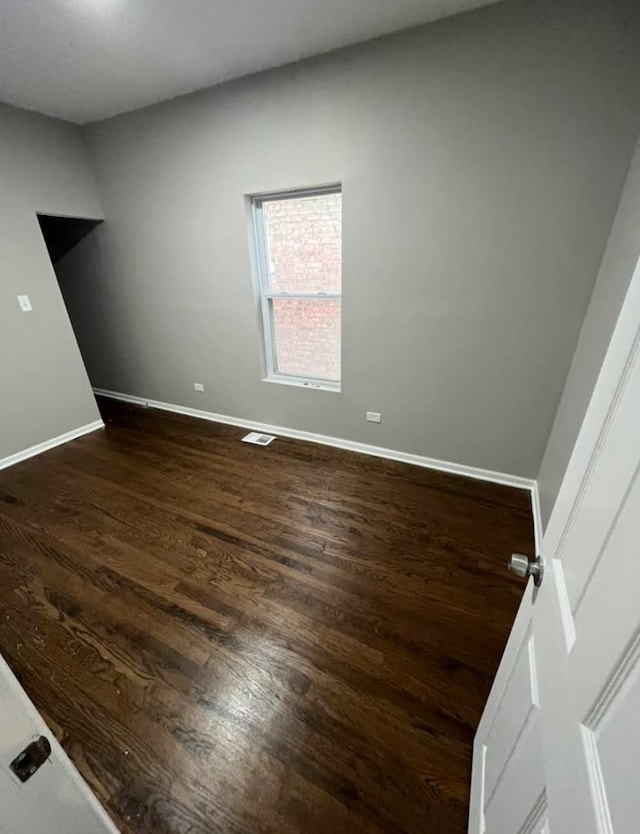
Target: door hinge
x: 35, y: 754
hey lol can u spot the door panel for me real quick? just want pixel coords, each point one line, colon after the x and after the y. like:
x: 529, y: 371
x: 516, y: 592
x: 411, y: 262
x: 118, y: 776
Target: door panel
x: 581, y: 543
x: 509, y: 749
x: 524, y: 778
x: 617, y: 740
x: 515, y: 718
x: 604, y: 666
x: 604, y: 660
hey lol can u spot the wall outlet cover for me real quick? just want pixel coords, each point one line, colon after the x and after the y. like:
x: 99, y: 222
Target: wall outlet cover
x: 25, y: 303
x: 198, y: 386
x: 374, y: 417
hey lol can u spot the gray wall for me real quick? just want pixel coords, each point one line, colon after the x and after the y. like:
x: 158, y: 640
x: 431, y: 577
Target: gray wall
x: 44, y: 388
x: 618, y: 265
x: 482, y: 159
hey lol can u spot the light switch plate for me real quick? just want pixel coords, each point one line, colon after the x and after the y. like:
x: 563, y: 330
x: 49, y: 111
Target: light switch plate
x: 25, y: 304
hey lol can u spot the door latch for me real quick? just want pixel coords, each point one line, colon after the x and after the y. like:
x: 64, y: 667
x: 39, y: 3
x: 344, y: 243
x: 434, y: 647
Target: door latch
x: 35, y: 754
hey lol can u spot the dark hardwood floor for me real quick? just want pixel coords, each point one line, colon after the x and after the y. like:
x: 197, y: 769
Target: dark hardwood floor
x: 228, y: 638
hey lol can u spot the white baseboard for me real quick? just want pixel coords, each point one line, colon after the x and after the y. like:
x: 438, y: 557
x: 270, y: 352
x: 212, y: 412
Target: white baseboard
x: 325, y: 440
x: 50, y: 444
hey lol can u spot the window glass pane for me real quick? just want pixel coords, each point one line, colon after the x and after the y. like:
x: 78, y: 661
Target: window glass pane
x: 304, y: 243
x: 307, y: 336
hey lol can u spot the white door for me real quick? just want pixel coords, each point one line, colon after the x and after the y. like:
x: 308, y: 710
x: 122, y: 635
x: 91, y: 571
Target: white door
x: 55, y: 799
x: 558, y: 748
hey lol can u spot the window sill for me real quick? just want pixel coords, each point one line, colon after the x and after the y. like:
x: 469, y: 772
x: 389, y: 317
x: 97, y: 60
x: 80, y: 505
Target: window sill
x: 333, y: 387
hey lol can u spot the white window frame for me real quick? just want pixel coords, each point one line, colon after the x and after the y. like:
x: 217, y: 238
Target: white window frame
x: 263, y: 269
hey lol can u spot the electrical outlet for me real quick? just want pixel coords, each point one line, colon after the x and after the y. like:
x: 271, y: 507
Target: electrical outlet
x: 198, y: 386
x: 374, y: 417
x: 25, y: 304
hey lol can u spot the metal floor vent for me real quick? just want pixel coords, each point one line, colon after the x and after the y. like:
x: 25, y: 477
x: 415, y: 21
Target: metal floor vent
x: 258, y: 439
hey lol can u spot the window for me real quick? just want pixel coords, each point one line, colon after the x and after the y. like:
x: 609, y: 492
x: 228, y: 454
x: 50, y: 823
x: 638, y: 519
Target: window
x: 298, y: 237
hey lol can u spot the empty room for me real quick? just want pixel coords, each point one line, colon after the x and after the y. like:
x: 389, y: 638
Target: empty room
x: 319, y: 417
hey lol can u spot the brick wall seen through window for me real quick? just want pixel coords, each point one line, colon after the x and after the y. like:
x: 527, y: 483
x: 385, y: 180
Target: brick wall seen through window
x: 303, y: 237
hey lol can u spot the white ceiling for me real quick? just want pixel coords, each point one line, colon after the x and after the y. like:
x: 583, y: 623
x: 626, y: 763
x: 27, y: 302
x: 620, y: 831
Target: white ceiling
x: 84, y: 60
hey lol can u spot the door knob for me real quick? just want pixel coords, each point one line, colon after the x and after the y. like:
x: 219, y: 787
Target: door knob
x: 525, y: 567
